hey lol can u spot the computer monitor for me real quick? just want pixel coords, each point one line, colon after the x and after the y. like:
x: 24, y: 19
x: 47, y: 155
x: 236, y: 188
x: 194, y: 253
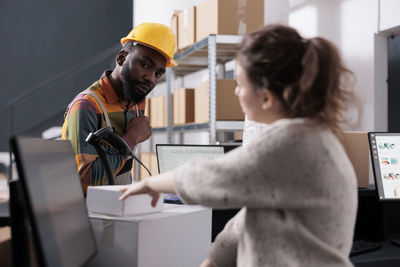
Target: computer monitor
x: 170, y: 156
x: 385, y: 155
x: 54, y: 202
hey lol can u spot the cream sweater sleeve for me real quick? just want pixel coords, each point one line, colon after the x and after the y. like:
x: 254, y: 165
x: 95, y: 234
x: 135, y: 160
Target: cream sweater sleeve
x: 269, y: 172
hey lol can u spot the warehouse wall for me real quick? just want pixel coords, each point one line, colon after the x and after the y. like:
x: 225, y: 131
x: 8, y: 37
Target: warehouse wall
x: 359, y: 28
x: 388, y: 14
x: 58, y: 48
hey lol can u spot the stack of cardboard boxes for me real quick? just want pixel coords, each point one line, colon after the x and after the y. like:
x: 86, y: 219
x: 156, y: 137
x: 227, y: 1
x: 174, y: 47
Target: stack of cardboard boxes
x: 192, y: 105
x: 183, y: 106
x: 158, y: 111
x: 216, y: 17
x: 227, y: 103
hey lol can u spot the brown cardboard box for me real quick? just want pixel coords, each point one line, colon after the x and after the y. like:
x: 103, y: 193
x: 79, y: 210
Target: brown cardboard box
x: 357, y: 149
x: 227, y: 103
x: 183, y: 106
x: 186, y: 27
x: 228, y: 17
x: 147, y: 108
x: 158, y: 111
x: 238, y: 135
x: 149, y: 159
x: 175, y: 28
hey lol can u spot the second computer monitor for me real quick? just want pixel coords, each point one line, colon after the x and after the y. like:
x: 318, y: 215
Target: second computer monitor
x: 385, y: 154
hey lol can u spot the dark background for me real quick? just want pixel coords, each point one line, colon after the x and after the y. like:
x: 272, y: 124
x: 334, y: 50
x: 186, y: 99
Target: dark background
x: 50, y: 51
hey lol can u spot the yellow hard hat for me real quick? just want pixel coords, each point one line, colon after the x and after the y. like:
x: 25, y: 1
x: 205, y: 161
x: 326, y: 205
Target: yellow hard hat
x: 157, y: 36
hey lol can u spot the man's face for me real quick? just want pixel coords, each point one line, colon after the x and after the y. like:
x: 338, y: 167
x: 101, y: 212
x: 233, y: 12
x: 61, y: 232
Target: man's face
x: 140, y: 72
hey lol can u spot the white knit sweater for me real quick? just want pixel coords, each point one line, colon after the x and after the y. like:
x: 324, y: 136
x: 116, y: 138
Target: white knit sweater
x: 298, y: 194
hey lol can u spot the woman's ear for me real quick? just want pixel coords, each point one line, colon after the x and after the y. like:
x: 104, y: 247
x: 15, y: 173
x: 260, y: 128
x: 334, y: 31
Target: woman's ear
x: 267, y: 98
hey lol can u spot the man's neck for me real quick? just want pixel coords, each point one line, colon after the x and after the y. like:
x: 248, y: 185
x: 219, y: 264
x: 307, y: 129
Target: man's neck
x: 116, y: 84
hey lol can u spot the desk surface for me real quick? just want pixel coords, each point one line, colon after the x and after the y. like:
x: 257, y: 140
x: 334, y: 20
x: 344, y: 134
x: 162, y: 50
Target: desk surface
x: 388, y: 256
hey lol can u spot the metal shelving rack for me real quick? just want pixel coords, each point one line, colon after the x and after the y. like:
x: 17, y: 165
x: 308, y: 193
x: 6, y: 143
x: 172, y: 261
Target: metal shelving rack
x: 212, y: 53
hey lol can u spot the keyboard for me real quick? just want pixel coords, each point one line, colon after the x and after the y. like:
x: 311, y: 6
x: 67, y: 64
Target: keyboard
x: 362, y: 246
x: 172, y: 199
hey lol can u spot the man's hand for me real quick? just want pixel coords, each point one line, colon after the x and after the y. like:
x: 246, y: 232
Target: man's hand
x: 138, y: 130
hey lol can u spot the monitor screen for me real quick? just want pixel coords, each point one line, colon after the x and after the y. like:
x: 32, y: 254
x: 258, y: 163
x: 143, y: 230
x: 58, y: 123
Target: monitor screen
x: 385, y: 155
x: 55, y: 202
x: 172, y: 156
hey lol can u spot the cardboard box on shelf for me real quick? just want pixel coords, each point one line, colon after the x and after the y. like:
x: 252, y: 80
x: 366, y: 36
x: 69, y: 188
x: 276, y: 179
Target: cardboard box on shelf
x: 228, y: 17
x: 158, y: 113
x: 180, y: 235
x: 183, y: 106
x: 186, y: 27
x: 357, y: 149
x: 227, y: 103
x: 147, y: 108
x: 238, y: 135
x: 104, y: 200
x: 175, y: 28
x: 149, y: 159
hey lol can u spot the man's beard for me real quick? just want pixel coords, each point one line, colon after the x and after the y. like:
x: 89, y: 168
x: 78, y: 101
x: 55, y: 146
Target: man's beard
x: 128, y: 85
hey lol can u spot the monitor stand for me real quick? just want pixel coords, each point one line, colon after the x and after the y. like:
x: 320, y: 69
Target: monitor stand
x: 391, y: 220
x: 376, y: 220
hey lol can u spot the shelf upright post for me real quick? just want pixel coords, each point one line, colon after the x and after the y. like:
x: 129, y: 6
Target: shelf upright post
x: 212, y: 68
x: 170, y: 78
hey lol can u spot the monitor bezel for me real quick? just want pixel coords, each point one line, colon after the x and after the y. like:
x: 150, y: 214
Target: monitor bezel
x: 376, y: 166
x: 32, y: 220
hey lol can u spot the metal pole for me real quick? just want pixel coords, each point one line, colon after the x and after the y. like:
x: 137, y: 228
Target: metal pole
x: 170, y: 82
x: 212, y: 63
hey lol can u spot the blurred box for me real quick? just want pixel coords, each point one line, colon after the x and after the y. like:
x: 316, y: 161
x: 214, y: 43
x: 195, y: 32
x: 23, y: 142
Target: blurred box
x: 357, y: 149
x: 238, y: 135
x: 227, y: 103
x: 147, y: 108
x: 158, y: 111
x: 186, y: 27
x: 180, y: 235
x: 228, y: 17
x: 149, y: 159
x: 183, y: 106
x: 103, y: 199
x: 175, y: 28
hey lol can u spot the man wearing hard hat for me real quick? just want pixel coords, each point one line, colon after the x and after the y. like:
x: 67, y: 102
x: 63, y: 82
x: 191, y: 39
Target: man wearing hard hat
x: 117, y: 100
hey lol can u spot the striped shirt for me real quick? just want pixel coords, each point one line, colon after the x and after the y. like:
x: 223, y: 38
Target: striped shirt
x: 83, y: 116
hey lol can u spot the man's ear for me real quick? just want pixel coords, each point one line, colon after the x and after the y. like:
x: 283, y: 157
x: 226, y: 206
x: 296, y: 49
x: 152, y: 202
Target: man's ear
x: 121, y: 57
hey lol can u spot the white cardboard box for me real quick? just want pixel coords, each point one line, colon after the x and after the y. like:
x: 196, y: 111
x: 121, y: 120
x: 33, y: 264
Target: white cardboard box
x: 180, y: 235
x: 104, y: 200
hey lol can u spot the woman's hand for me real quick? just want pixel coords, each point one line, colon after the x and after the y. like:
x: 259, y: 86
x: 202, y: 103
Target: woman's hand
x: 140, y: 188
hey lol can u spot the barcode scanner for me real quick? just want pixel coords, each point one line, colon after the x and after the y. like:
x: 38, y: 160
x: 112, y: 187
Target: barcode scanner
x: 108, y: 135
